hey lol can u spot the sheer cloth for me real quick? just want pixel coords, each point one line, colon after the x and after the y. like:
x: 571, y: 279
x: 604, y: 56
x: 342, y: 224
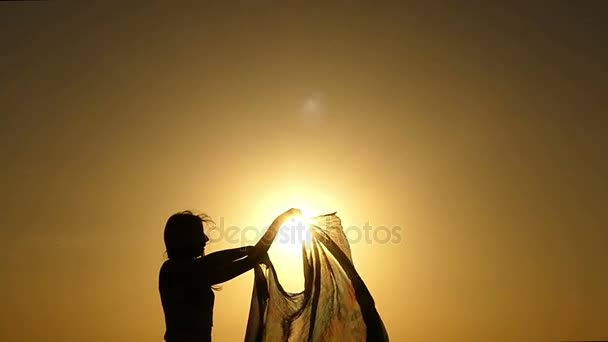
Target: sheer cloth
x: 335, y: 304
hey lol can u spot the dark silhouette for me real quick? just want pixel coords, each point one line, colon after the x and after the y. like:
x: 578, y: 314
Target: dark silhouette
x: 187, y: 277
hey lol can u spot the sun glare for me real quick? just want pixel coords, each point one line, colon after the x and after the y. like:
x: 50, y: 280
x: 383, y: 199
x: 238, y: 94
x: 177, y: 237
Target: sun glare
x: 286, y: 252
x: 295, y: 233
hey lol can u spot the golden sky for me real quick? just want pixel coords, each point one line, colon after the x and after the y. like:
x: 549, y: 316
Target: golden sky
x: 479, y: 130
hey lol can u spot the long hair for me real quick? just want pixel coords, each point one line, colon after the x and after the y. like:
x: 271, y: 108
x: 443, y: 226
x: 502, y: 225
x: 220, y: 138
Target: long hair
x: 184, y: 235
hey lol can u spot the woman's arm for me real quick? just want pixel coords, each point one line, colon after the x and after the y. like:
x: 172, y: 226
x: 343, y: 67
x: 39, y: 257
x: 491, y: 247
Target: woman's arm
x: 218, y: 273
x: 227, y: 256
x: 227, y: 264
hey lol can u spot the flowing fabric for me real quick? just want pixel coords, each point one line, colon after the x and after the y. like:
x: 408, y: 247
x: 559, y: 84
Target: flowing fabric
x: 335, y: 304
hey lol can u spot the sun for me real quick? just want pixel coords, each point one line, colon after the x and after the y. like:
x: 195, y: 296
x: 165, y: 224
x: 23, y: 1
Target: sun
x: 286, y: 252
x: 295, y: 233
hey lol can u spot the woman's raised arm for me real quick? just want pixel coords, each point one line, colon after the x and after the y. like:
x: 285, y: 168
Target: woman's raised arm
x: 261, y: 248
x: 227, y: 264
x: 224, y: 265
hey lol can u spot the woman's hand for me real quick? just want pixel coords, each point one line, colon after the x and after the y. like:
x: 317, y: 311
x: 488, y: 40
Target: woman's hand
x: 265, y: 260
x: 248, y: 250
x: 262, y: 246
x: 293, y: 212
x: 259, y: 258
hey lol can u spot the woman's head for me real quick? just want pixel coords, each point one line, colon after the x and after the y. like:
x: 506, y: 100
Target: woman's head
x: 184, y: 235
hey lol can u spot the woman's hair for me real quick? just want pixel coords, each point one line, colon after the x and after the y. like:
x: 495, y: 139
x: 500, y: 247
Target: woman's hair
x: 184, y: 235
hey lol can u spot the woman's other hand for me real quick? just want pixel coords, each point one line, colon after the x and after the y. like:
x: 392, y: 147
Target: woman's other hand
x: 265, y: 260
x: 259, y: 257
x: 248, y: 250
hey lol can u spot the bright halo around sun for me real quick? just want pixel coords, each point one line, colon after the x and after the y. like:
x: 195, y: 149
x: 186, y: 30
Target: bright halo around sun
x: 286, y: 251
x: 295, y: 233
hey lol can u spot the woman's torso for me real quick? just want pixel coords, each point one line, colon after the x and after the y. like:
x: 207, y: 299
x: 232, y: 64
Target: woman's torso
x: 187, y: 300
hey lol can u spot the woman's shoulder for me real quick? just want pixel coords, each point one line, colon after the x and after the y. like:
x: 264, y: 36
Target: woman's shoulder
x: 183, y: 272
x: 167, y: 265
x: 171, y: 267
x: 166, y: 269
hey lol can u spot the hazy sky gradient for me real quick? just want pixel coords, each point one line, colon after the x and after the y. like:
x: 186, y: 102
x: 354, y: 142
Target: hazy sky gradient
x: 481, y: 130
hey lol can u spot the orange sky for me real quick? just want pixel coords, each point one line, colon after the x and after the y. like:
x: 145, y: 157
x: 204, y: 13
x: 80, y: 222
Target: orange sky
x: 480, y: 131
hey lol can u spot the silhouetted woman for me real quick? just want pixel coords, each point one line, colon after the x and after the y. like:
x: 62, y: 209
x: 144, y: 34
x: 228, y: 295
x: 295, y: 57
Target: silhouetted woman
x: 186, y: 278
